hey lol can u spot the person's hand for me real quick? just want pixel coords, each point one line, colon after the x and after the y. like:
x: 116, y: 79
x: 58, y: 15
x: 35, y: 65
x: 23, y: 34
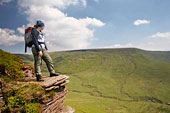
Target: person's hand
x: 40, y: 53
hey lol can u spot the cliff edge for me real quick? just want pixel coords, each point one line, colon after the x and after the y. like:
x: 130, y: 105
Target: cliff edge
x: 49, y: 93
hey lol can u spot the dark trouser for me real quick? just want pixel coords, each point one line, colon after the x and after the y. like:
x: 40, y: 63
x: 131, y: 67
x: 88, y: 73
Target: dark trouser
x: 37, y: 61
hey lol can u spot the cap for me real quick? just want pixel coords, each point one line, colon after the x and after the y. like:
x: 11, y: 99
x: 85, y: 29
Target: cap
x: 40, y: 23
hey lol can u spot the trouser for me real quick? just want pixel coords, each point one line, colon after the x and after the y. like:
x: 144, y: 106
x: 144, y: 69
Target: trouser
x: 37, y: 61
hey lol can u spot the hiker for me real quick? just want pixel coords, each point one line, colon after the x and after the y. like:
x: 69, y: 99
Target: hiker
x: 39, y: 50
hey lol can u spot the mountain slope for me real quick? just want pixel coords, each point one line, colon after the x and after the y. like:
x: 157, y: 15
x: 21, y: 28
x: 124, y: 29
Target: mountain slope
x: 10, y: 65
x: 20, y: 93
x: 115, y: 80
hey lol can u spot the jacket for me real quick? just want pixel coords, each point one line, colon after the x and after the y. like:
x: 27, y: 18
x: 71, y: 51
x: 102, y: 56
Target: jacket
x: 35, y: 35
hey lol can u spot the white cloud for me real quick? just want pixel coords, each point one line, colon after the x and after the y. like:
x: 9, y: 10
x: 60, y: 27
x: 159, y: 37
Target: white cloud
x: 51, y: 3
x: 61, y: 4
x: 161, y: 35
x: 21, y: 30
x: 8, y: 37
x: 4, y: 1
x: 120, y: 46
x: 91, y: 21
x: 84, y: 2
x: 62, y: 32
x: 159, y: 41
x: 150, y: 45
x: 139, y: 22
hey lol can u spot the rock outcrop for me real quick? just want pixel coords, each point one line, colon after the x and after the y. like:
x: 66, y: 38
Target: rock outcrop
x: 28, y: 71
x: 56, y: 103
x: 51, y: 103
x: 55, y: 91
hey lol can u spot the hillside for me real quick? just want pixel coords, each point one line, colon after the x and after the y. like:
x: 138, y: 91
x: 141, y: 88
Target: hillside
x: 20, y: 93
x: 114, y: 80
x: 10, y: 65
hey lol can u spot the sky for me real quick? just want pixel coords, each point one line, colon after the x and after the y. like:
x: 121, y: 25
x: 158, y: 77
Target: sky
x: 87, y: 24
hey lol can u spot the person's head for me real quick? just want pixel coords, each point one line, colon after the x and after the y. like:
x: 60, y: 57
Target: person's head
x: 39, y: 25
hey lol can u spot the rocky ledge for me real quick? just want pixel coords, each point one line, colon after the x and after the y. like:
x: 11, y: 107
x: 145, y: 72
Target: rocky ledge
x: 56, y: 84
x: 56, y: 104
x: 52, y: 101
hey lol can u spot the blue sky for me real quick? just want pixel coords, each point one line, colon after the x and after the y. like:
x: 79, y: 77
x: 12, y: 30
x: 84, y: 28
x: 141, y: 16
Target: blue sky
x: 114, y: 24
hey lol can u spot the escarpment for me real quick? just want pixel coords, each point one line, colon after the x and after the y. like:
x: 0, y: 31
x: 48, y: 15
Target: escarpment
x: 45, y: 96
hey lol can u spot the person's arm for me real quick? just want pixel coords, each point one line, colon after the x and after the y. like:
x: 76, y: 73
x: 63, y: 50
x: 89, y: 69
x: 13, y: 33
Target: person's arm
x: 35, y: 39
x: 45, y: 46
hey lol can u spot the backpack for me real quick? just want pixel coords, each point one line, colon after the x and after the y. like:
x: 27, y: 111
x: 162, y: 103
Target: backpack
x: 28, y: 38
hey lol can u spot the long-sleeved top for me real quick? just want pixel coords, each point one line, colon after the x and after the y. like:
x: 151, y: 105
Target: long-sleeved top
x: 38, y: 40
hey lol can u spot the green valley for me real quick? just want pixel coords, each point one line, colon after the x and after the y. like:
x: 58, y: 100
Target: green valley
x: 114, y: 80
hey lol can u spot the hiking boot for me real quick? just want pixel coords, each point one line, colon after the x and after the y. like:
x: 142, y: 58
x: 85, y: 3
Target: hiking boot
x: 38, y: 77
x: 54, y: 74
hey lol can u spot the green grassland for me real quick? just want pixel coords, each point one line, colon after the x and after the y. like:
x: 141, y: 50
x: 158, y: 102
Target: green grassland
x: 17, y: 98
x: 114, y: 80
x: 13, y: 64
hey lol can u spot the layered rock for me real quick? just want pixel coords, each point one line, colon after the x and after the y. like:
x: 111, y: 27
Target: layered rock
x: 54, y: 103
x: 28, y: 72
x: 56, y: 84
x: 55, y: 91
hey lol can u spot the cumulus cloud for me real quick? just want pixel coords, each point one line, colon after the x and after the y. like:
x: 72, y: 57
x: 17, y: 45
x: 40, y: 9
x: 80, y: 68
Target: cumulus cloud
x: 158, y: 41
x: 161, y: 35
x: 84, y: 2
x: 156, y: 45
x: 91, y: 21
x: 8, y: 37
x: 21, y: 30
x: 62, y: 32
x: 51, y: 3
x: 140, y: 22
x: 128, y: 45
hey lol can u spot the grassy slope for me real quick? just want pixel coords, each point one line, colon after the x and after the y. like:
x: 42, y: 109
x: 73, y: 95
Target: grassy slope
x: 12, y: 63
x: 115, y: 80
x: 17, y: 97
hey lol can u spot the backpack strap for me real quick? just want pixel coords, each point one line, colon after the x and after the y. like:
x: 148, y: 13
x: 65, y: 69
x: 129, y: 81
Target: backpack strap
x: 28, y: 29
x: 25, y: 47
x: 41, y: 42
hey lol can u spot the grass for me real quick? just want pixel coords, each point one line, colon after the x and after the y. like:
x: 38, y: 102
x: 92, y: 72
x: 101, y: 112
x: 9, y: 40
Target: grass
x: 12, y: 64
x: 114, y: 80
x: 17, y: 98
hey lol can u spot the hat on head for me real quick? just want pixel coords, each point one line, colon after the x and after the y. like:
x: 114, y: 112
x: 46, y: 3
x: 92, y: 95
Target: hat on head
x: 40, y: 23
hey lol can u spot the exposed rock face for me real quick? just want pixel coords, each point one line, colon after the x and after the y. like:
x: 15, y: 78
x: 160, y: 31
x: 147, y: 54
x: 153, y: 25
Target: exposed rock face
x: 67, y: 109
x: 28, y: 71
x: 55, y: 88
x: 57, y: 84
x: 55, y: 104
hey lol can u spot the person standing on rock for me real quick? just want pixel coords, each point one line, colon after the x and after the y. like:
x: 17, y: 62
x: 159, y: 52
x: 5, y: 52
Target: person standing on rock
x: 39, y: 50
